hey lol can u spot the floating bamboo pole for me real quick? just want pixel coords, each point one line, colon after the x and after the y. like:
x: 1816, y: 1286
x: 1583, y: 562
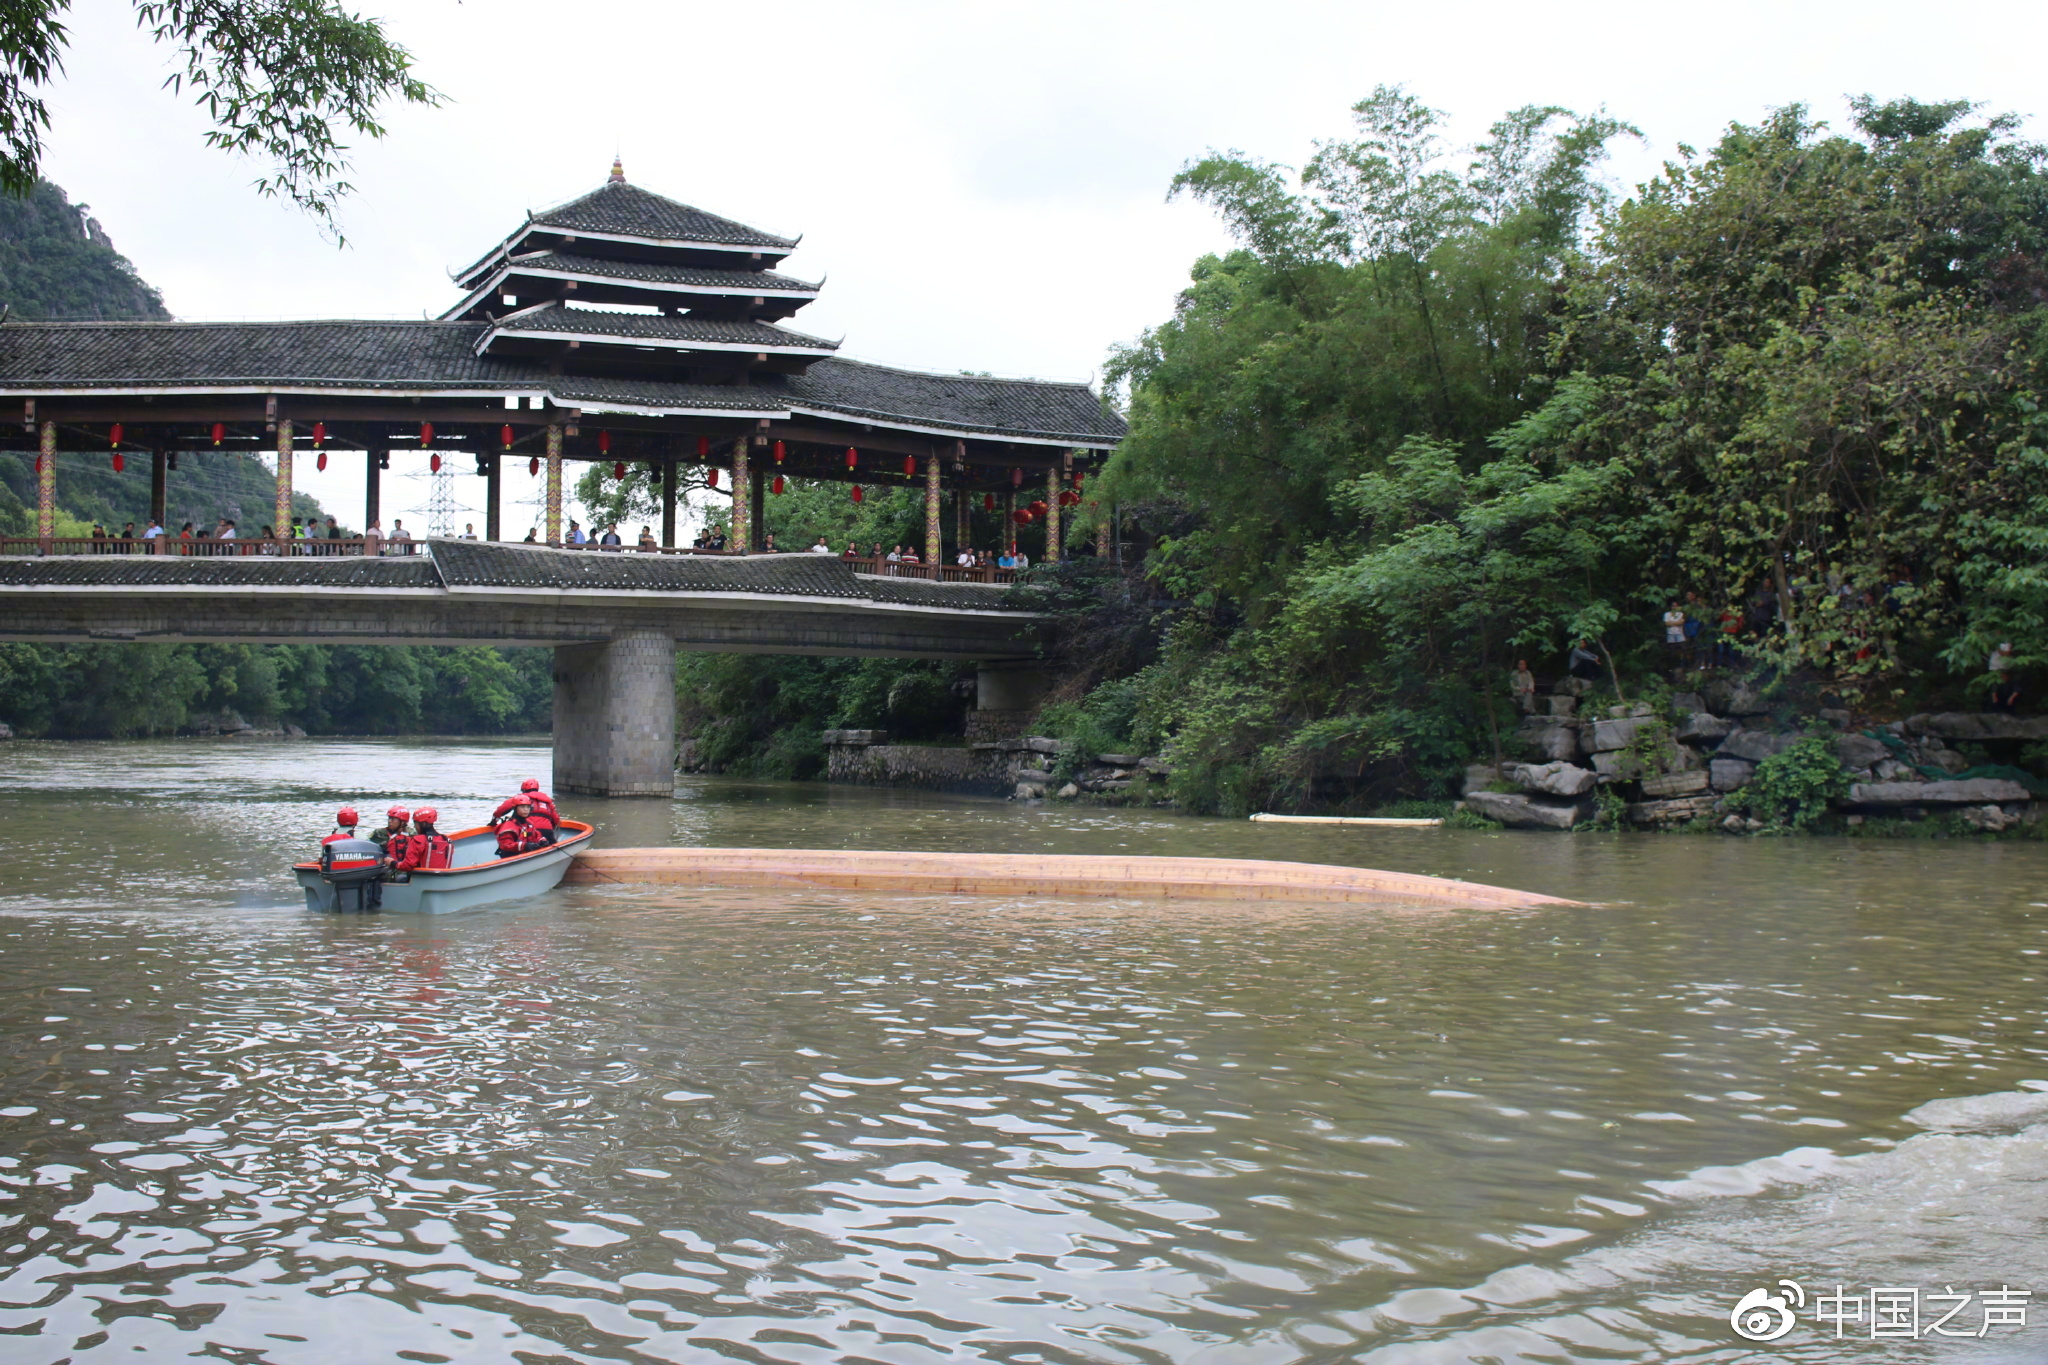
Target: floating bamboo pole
x: 1021, y: 874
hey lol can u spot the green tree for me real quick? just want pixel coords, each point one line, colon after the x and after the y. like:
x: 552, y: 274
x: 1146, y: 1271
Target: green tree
x: 282, y: 80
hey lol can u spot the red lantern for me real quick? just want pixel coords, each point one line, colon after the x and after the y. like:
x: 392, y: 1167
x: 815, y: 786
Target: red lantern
x: 319, y: 436
x: 852, y: 458
x: 114, y: 435
x: 39, y: 466
x: 321, y: 463
x: 778, y: 455
x: 426, y: 433
x: 1077, y: 478
x: 856, y: 489
x: 909, y: 466
x: 1016, y: 478
x: 619, y: 469
x: 1021, y: 518
x: 119, y: 463
x: 711, y: 477
x: 434, y: 463
x: 988, y: 502
x: 604, y: 444
x: 703, y: 446
x: 219, y: 430
x: 777, y: 489
x: 533, y: 466
x: 505, y: 436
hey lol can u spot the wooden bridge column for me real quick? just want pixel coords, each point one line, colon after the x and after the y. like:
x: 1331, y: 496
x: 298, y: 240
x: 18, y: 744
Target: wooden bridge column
x: 963, y: 524
x: 372, y: 493
x: 737, y: 530
x: 668, y: 504
x: 282, y: 524
x: 554, y: 494
x: 1008, y: 539
x: 159, y: 488
x: 615, y: 716
x: 46, y: 488
x: 934, y: 543
x: 494, y: 496
x: 757, y: 513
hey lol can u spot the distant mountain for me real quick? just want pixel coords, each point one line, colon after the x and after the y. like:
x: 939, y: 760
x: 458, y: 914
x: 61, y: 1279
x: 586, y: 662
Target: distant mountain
x: 57, y: 264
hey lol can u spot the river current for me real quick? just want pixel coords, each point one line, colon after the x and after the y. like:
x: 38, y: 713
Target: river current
x: 662, y: 1124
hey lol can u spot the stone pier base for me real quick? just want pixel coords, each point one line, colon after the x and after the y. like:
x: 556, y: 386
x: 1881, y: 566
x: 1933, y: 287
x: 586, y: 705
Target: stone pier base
x: 615, y: 716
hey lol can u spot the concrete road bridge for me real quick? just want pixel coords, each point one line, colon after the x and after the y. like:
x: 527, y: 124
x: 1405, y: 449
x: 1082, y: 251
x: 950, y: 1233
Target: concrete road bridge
x: 615, y: 621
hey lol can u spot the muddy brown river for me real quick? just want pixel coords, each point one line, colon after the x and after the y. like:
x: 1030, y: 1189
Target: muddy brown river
x: 663, y: 1124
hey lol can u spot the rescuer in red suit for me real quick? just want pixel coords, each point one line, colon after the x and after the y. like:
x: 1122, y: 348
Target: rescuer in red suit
x: 523, y: 831
x: 543, y: 806
x: 344, y: 825
x: 425, y: 847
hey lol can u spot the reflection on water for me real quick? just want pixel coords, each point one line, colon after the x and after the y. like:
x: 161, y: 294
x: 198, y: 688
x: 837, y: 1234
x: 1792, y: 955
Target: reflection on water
x: 655, y: 1124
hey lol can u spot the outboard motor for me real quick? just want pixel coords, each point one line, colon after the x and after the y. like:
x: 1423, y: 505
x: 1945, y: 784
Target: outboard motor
x: 354, y: 864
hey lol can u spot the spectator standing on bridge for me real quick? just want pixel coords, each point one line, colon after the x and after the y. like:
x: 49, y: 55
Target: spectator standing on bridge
x: 576, y: 535
x: 610, y: 541
x: 647, y: 540
x: 532, y: 536
x: 401, y: 539
x: 469, y: 530
x: 128, y: 535
x: 821, y: 548
x: 768, y: 543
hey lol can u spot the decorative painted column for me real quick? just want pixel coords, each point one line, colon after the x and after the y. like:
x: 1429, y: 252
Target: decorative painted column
x: 963, y: 528
x: 934, y: 543
x: 668, y: 504
x: 554, y: 502
x: 739, y: 534
x: 1008, y: 539
x: 283, y: 521
x: 46, y: 487
x: 1052, y: 516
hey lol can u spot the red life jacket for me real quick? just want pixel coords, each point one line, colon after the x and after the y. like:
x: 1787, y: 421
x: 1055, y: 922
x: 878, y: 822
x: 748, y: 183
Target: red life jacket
x: 341, y: 834
x: 543, y: 805
x: 424, y: 850
x: 522, y: 836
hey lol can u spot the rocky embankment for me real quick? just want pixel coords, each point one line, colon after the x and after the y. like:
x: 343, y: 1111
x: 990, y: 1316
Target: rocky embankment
x: 1689, y: 763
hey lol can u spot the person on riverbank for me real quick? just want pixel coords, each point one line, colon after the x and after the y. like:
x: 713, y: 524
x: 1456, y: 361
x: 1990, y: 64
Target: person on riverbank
x: 1523, y: 686
x: 2005, y: 692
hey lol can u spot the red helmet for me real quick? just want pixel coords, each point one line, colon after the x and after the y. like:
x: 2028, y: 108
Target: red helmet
x: 345, y: 816
x: 531, y: 784
x: 425, y: 815
x: 399, y: 813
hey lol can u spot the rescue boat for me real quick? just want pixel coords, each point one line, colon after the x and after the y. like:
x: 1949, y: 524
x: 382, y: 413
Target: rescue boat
x: 343, y: 877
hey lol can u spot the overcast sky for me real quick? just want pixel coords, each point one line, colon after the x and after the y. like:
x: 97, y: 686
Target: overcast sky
x: 981, y: 185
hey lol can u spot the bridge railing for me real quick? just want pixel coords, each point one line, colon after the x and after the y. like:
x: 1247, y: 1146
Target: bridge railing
x: 943, y: 573
x: 205, y: 548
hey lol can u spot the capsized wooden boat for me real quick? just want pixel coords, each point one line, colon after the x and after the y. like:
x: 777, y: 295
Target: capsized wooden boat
x: 478, y: 875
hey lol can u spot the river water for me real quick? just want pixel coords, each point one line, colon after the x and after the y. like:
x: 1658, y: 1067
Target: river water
x: 665, y: 1124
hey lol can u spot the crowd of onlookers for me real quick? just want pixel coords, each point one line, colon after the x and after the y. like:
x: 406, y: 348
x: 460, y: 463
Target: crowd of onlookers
x: 305, y: 536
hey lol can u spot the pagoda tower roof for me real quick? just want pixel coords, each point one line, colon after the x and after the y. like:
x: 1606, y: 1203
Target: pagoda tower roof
x: 597, y: 280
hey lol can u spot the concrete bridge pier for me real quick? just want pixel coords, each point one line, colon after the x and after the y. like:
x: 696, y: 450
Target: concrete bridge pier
x: 615, y: 716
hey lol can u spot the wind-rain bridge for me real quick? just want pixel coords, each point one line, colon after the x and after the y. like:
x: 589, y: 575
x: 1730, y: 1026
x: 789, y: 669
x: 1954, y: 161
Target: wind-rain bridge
x: 622, y: 329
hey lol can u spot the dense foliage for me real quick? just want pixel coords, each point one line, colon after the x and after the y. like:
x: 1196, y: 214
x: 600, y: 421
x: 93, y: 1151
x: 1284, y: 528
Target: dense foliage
x: 56, y: 264
x: 120, y: 691
x: 1428, y: 419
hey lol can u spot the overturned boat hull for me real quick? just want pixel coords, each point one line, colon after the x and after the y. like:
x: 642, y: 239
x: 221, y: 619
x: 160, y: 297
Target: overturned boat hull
x: 479, y: 876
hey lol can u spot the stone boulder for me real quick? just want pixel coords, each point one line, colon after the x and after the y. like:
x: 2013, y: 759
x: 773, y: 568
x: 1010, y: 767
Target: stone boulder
x: 1703, y: 729
x: 1553, y: 779
x: 1860, y: 751
x: 1518, y: 811
x: 1756, y: 745
x: 1118, y: 760
x: 6, y: 731
x: 1732, y: 697
x: 1562, y: 706
x: 1480, y: 776
x: 1730, y: 774
x: 1607, y: 735
x: 1618, y: 765
x: 1975, y: 791
x: 1973, y: 725
x: 1679, y: 812
x: 1548, y: 738
x: 1668, y: 785
x: 1686, y: 703
x: 1990, y: 819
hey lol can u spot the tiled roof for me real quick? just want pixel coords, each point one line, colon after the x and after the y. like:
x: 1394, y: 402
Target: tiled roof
x: 399, y: 355
x: 426, y: 356
x: 629, y: 211
x: 964, y: 403
x: 486, y: 564
x: 480, y: 564
x: 641, y: 272
x: 649, y: 327
x: 248, y: 571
